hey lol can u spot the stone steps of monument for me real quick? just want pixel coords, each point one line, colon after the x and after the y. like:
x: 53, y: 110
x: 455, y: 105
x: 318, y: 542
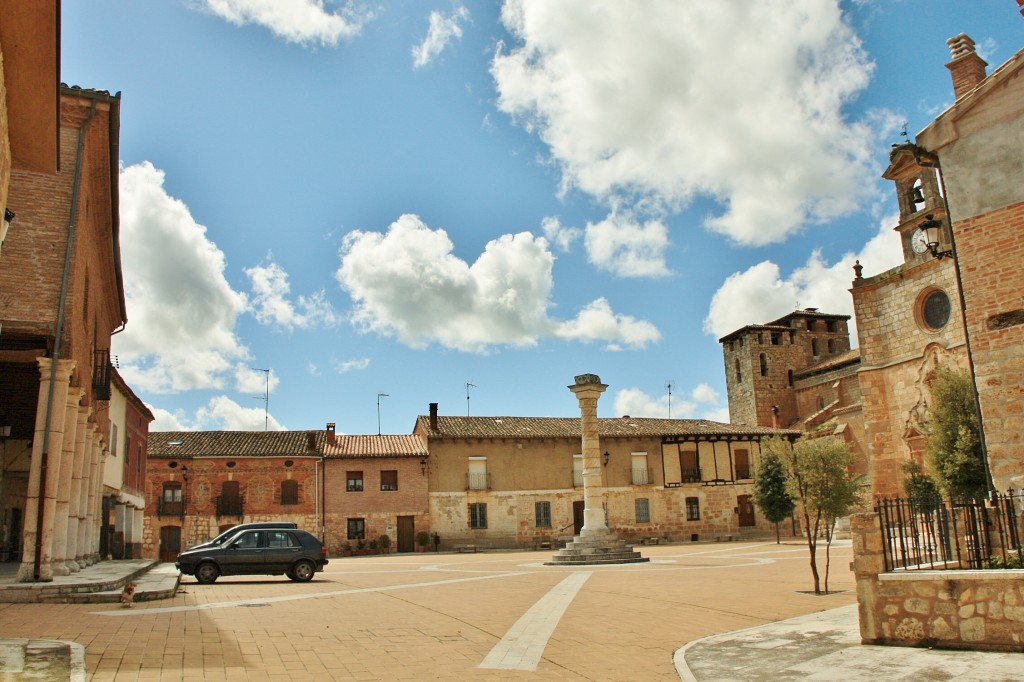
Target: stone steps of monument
x: 592, y: 560
x: 595, y: 556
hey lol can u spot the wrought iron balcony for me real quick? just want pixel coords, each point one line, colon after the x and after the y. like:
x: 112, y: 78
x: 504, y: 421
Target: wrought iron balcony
x: 229, y: 506
x: 169, y: 508
x: 691, y: 476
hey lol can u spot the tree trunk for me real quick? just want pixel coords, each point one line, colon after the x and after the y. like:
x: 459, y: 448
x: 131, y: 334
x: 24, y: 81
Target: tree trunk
x: 828, y: 550
x: 778, y: 537
x: 812, y: 547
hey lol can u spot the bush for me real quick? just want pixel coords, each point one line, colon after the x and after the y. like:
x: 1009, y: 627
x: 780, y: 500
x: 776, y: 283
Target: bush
x: 384, y: 541
x: 423, y: 538
x: 1013, y: 560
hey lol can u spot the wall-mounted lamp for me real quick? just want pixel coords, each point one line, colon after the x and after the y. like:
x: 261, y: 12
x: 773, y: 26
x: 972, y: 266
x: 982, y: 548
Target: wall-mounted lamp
x: 607, y: 456
x: 184, y: 473
x: 931, y: 228
x: 8, y: 219
x: 423, y: 466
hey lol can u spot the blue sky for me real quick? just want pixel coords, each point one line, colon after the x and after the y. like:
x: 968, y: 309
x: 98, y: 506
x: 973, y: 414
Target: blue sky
x: 410, y: 196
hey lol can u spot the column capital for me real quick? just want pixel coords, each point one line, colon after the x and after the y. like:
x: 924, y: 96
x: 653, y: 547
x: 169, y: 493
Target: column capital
x: 64, y: 368
x: 588, y: 386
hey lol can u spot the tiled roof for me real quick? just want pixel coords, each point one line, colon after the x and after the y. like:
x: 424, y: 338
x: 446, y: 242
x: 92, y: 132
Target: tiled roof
x: 569, y: 427
x: 234, y: 443
x: 376, y: 446
x: 848, y: 358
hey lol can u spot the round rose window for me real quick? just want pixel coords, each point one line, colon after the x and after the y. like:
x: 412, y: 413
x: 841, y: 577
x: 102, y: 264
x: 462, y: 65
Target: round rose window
x: 935, y: 309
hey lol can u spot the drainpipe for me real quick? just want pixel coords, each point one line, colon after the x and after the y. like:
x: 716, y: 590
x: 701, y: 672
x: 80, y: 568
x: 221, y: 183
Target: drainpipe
x: 65, y: 283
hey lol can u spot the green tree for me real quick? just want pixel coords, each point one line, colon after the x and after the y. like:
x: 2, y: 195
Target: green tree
x: 820, y: 481
x: 954, y: 440
x: 771, y: 493
x: 921, y: 489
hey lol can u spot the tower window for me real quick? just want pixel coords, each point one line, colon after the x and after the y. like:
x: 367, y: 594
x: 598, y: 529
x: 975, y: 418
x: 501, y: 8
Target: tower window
x: 764, y: 364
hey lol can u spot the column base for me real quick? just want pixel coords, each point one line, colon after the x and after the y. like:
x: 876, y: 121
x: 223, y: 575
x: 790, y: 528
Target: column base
x: 27, y: 572
x: 597, y: 547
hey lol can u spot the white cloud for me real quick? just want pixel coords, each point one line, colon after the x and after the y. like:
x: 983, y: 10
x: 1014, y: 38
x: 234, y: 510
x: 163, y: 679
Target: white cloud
x: 760, y: 294
x: 559, y: 235
x: 181, y: 309
x: 407, y: 283
x: 741, y: 102
x: 255, y: 381
x: 626, y: 248
x: 443, y: 29
x: 636, y: 403
x: 270, y: 289
x: 165, y: 420
x: 297, y: 21
x: 705, y: 394
x: 346, y: 366
x: 224, y: 414
x: 597, y: 322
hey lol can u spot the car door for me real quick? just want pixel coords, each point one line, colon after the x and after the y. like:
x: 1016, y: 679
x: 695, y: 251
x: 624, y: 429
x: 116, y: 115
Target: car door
x: 282, y: 549
x: 244, y: 554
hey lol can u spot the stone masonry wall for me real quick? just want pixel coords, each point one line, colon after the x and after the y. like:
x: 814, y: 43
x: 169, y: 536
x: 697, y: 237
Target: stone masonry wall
x: 981, y: 610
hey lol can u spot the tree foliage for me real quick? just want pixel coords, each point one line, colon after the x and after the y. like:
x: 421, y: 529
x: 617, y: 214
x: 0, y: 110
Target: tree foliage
x: 820, y: 481
x: 771, y: 490
x: 921, y: 489
x: 954, y: 440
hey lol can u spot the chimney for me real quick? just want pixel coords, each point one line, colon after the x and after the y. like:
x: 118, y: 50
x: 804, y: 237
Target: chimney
x: 433, y: 416
x: 966, y: 67
x: 330, y: 433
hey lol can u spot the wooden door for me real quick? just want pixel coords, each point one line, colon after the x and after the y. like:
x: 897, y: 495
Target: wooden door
x: 577, y: 516
x: 745, y: 507
x: 170, y: 542
x: 406, y: 533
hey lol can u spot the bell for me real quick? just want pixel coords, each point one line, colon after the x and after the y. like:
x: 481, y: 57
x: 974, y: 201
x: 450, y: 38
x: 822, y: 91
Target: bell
x: 916, y: 196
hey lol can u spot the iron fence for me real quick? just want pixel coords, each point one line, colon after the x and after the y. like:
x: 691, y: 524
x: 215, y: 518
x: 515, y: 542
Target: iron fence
x: 948, y: 534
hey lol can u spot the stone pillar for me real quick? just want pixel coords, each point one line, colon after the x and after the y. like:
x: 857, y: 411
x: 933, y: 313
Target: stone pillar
x: 82, y: 440
x: 94, y: 500
x: 138, y: 524
x: 122, y: 526
x: 46, y: 445
x: 85, y: 501
x: 67, y: 465
x: 588, y: 389
x: 868, y: 563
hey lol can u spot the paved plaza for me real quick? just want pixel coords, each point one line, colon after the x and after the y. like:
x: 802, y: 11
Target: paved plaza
x: 445, y: 616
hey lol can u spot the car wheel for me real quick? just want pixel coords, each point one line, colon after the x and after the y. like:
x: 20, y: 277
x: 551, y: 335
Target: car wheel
x: 302, y: 572
x: 207, y: 573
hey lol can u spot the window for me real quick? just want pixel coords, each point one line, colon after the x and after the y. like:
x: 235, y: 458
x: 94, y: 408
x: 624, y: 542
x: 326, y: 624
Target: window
x: 478, y: 515
x: 764, y: 364
x: 354, y: 482
x: 389, y: 480
x: 689, y: 466
x: 742, y: 460
x: 357, y: 529
x: 776, y: 338
x: 577, y: 471
x: 739, y: 375
x: 477, y: 473
x: 542, y: 512
x: 280, y: 538
x: 814, y: 346
x: 113, y: 439
x: 251, y: 540
x: 693, y: 509
x: 643, y: 510
x: 831, y: 346
x: 289, y: 492
x: 641, y: 474
x: 933, y: 310
x: 172, y: 491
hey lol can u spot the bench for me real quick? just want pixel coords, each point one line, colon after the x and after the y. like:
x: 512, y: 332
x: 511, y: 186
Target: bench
x: 650, y: 541
x: 465, y: 548
x: 544, y: 544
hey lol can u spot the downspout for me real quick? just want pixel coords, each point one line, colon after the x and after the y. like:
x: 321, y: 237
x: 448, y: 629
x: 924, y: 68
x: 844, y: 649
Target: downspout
x: 65, y: 283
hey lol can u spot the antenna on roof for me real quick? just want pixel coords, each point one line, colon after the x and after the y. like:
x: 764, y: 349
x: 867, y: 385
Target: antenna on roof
x: 668, y: 386
x: 265, y: 398
x: 379, y: 396
x: 468, y: 386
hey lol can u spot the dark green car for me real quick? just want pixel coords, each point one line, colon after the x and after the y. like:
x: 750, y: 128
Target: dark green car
x: 292, y: 552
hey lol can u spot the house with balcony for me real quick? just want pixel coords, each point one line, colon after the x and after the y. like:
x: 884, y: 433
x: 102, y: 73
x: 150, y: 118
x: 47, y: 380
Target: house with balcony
x: 518, y: 481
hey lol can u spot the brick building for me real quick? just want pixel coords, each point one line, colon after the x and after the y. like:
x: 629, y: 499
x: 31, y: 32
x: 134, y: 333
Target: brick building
x: 977, y: 146
x: 373, y: 486
x: 200, y: 483
x: 518, y: 481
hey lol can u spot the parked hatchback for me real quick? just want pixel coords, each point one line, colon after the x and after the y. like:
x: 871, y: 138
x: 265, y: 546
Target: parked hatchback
x: 235, y: 530
x: 268, y: 551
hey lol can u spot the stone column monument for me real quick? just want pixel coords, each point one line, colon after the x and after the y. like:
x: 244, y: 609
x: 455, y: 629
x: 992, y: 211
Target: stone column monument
x: 595, y: 544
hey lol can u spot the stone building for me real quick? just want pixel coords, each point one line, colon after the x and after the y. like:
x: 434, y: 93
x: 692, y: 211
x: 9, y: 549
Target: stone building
x: 518, y: 481
x: 977, y: 147
x: 373, y: 486
x: 200, y: 483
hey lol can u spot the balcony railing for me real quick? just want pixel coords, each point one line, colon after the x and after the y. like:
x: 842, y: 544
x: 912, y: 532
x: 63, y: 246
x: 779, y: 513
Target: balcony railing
x: 229, y: 506
x: 168, y: 508
x: 743, y: 474
x: 478, y: 481
x: 691, y: 476
x: 641, y: 476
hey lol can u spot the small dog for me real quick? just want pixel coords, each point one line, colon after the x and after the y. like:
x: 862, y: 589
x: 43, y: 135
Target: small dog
x: 128, y: 596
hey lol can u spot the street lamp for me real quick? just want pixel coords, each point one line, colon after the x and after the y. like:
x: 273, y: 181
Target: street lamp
x: 931, y: 229
x: 607, y: 456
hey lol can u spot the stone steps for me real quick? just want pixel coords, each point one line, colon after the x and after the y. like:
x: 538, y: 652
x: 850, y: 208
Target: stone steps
x: 598, y: 549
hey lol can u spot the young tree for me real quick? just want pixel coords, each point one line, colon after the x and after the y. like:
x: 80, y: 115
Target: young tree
x: 954, y: 441
x: 820, y: 480
x: 771, y: 493
x: 921, y: 489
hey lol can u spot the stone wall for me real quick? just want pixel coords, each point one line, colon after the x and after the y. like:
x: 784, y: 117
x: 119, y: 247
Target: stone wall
x: 981, y: 610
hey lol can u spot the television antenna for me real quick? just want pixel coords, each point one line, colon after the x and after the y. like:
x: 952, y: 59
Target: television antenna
x: 468, y: 386
x: 265, y: 397
x: 668, y: 387
x: 379, y: 396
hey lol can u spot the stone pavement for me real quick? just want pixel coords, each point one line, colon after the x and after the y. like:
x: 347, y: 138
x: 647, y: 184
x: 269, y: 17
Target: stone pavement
x: 491, y: 615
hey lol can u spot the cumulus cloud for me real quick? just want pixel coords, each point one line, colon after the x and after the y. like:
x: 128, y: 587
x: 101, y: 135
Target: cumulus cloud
x: 705, y: 405
x: 760, y: 294
x: 705, y: 394
x: 627, y: 248
x: 345, y: 366
x: 270, y: 290
x: 737, y: 101
x: 407, y: 283
x: 443, y: 29
x: 560, y: 235
x: 305, y: 22
x: 224, y: 414
x: 252, y: 380
x: 182, y: 311
x: 165, y: 420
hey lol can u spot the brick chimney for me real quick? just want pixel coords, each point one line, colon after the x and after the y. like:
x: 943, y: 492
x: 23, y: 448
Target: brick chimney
x: 966, y: 67
x: 330, y: 433
x: 433, y: 416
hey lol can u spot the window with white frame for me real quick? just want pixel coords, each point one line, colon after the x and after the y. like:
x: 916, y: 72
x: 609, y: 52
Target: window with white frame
x: 577, y: 471
x: 478, y: 473
x: 641, y: 474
